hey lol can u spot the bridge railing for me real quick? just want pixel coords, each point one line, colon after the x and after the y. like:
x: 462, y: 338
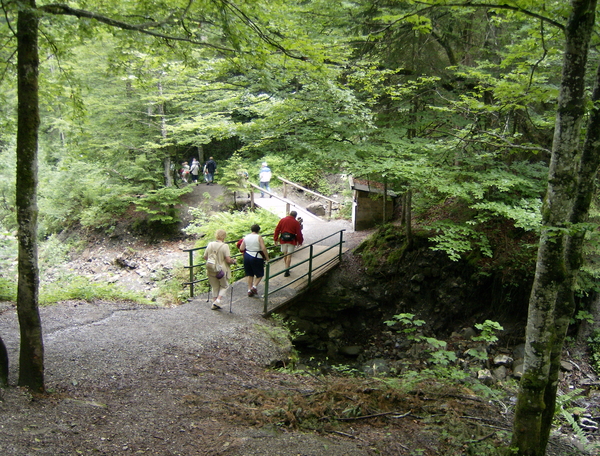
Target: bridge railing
x: 271, y: 194
x: 192, y: 266
x: 312, y: 267
x: 328, y: 200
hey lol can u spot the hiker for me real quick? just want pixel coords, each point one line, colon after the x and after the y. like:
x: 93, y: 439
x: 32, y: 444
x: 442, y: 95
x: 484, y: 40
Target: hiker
x: 185, y: 172
x: 255, y: 255
x: 288, y: 234
x: 210, y: 168
x: 264, y: 178
x: 223, y: 258
x: 194, y: 170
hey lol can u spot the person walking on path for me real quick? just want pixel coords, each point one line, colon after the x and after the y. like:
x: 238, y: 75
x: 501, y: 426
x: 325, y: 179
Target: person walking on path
x: 288, y: 234
x: 210, y: 168
x: 264, y: 179
x: 195, y: 170
x: 185, y: 172
x: 219, y: 286
x: 255, y: 255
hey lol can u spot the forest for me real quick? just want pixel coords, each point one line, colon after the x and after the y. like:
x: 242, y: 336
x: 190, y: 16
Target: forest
x: 482, y: 113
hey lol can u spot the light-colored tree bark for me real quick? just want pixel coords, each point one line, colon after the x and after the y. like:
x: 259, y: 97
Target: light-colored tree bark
x: 168, y: 172
x: 573, y: 169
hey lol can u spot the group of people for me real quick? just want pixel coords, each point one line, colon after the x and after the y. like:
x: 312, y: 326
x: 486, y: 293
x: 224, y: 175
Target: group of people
x: 288, y: 235
x: 209, y: 170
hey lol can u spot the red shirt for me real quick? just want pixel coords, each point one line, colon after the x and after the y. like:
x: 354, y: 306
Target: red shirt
x: 289, y: 225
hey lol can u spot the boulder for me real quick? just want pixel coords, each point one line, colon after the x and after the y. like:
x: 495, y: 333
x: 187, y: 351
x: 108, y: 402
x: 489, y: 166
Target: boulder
x: 351, y: 350
x: 502, y: 360
x: 316, y: 208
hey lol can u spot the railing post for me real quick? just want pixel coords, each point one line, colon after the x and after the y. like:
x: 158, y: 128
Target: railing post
x: 284, y: 190
x: 191, y: 273
x: 251, y: 198
x: 310, y: 260
x: 341, y: 244
x: 287, y: 208
x: 266, y: 282
x: 329, y: 208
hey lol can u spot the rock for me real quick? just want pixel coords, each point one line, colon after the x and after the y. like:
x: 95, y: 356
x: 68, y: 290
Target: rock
x: 316, y: 208
x: 519, y: 352
x: 124, y: 263
x: 500, y: 373
x: 485, y: 377
x: 518, y: 369
x: 377, y: 366
x: 335, y: 333
x: 467, y: 333
x: 566, y: 366
x: 503, y: 360
x: 351, y: 350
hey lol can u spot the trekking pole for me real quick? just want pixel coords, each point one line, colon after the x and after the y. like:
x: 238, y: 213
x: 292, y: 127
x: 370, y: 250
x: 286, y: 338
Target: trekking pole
x: 208, y: 295
x: 231, y: 298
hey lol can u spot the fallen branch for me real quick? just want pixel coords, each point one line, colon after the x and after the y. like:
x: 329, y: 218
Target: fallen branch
x: 376, y: 415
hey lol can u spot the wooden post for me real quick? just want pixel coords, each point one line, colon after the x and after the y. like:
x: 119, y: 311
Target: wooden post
x: 329, y: 205
x: 251, y: 199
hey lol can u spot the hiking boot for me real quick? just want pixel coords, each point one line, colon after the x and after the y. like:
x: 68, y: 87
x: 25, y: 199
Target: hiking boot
x: 250, y: 293
x: 254, y: 291
x: 287, y: 274
x: 215, y: 307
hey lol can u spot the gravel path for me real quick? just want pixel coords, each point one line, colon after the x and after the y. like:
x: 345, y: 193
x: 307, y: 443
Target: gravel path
x: 126, y: 378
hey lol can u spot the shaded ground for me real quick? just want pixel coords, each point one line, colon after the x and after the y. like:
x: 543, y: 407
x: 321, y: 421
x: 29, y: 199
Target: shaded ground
x: 189, y: 381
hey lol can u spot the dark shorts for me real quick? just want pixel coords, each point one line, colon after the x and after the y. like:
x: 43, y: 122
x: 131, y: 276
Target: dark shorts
x: 254, y: 267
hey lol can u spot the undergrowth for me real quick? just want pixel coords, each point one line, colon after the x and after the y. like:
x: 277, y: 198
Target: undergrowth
x: 454, y: 416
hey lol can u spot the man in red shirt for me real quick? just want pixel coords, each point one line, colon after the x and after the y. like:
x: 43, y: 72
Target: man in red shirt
x: 289, y: 234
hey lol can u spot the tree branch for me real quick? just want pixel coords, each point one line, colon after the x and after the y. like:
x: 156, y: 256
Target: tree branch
x: 61, y: 9
x: 474, y: 5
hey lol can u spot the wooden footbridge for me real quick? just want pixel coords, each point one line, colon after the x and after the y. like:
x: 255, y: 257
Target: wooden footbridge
x: 322, y: 250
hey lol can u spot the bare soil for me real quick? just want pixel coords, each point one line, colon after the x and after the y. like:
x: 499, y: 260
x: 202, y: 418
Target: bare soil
x: 125, y: 378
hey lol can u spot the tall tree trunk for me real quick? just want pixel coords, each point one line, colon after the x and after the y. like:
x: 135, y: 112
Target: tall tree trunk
x: 570, y: 186
x: 3, y: 364
x: 168, y: 172
x: 31, y: 357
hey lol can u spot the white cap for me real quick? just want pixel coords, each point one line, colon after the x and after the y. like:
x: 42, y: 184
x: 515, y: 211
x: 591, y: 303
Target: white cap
x: 264, y: 164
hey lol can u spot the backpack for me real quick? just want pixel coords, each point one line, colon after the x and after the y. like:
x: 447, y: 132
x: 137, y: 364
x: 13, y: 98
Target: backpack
x: 287, y: 237
x: 239, y: 244
x: 213, y: 266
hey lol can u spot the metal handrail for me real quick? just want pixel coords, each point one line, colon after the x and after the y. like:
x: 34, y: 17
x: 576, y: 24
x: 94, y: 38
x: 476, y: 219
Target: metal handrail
x: 268, y: 264
x: 191, y: 266
x: 309, y: 260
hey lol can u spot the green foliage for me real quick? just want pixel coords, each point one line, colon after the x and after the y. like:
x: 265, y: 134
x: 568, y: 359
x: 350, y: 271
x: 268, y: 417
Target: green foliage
x: 234, y: 174
x: 565, y: 409
x: 409, y: 325
x: 73, y: 287
x: 456, y: 240
x: 435, y: 347
x: 594, y: 348
x: 8, y: 289
x: 488, y: 331
x: 235, y: 224
x: 160, y: 204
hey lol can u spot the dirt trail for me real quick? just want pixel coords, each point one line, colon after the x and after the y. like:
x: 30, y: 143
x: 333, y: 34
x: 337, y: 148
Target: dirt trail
x: 149, y: 380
